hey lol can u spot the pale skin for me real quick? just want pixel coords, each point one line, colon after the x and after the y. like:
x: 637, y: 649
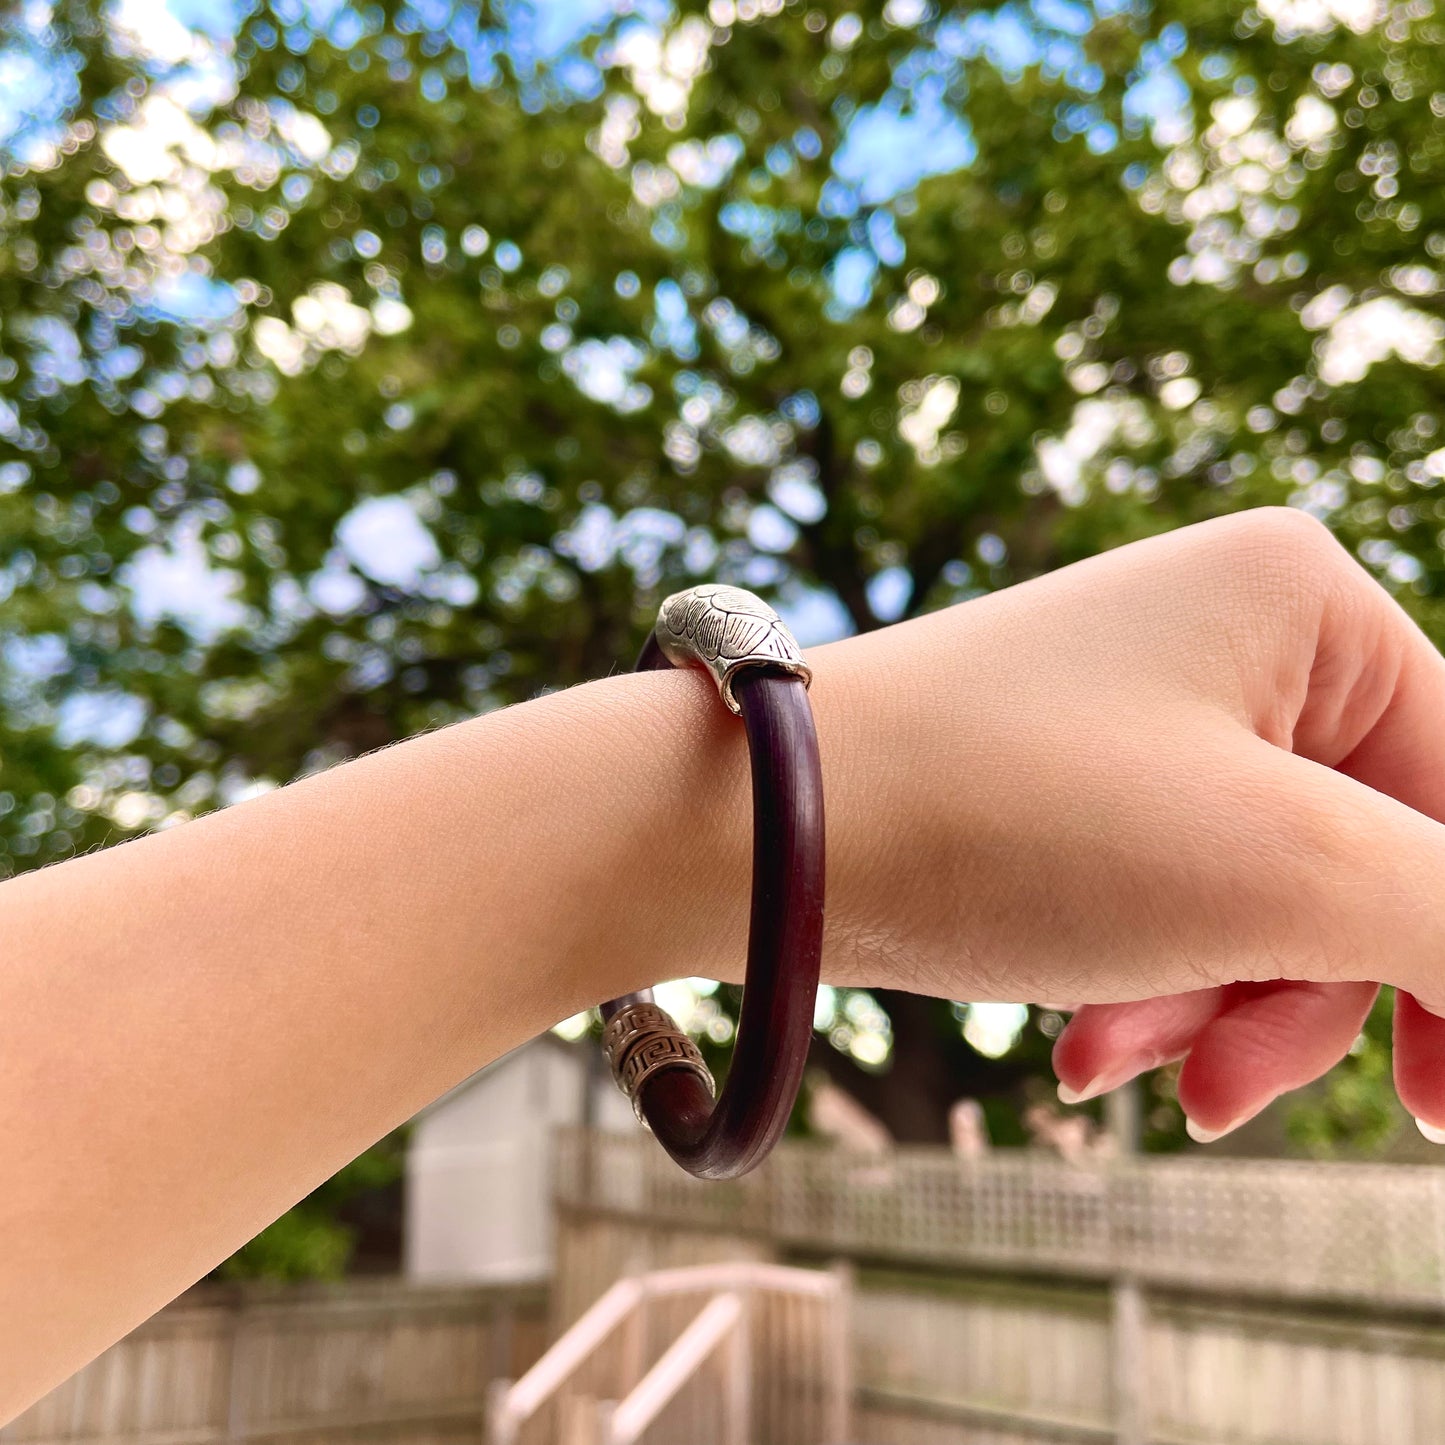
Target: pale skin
x: 1194, y: 785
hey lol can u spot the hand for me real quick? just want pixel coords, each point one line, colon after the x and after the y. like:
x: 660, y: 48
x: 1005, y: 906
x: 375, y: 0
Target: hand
x: 1192, y: 784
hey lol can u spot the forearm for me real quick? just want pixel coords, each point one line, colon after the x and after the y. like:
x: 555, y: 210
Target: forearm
x: 200, y: 1026
x: 1082, y: 787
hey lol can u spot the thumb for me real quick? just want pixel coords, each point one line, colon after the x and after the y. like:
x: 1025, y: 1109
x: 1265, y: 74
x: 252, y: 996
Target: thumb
x: 1361, y: 878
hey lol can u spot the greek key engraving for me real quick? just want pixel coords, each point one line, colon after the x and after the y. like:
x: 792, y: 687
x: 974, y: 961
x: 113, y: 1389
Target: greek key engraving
x: 641, y: 1040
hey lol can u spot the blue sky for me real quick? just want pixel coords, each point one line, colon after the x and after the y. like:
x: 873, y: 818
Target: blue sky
x: 888, y: 148
x: 915, y: 131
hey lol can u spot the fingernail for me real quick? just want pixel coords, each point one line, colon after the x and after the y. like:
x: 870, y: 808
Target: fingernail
x: 1201, y: 1135
x: 1433, y: 1134
x: 1109, y: 1079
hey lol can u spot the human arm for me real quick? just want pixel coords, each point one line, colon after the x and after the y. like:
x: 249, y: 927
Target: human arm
x: 1207, y: 760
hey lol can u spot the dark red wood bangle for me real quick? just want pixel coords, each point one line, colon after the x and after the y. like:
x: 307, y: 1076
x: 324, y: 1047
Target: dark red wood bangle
x: 761, y: 675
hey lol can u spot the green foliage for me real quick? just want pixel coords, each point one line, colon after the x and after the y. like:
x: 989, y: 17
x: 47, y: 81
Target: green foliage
x: 1353, y: 1110
x: 306, y: 1242
x: 385, y: 262
x: 311, y: 1241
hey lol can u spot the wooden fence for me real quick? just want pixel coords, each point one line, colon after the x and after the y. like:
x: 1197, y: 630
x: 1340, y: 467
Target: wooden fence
x: 392, y: 1363
x: 1009, y: 1301
x: 1342, y: 1232
x: 1017, y: 1299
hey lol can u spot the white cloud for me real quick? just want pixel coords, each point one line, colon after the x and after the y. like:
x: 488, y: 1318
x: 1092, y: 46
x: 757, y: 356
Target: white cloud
x: 324, y: 319
x: 390, y: 316
x: 603, y: 370
x: 177, y: 583
x: 662, y: 65
x: 304, y: 133
x: 920, y: 423
x: 149, y: 28
x: 1095, y: 425
x: 384, y: 538
x: 1312, y: 122
x: 155, y: 145
x: 1374, y: 331
x: 1318, y: 17
x: 751, y: 443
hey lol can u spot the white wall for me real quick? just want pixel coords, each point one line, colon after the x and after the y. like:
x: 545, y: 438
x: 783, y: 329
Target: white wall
x: 478, y: 1203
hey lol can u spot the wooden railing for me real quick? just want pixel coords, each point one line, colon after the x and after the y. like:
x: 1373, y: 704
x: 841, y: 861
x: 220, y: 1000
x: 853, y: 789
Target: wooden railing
x: 1342, y: 1232
x: 607, y: 1349
x: 720, y: 1322
x: 514, y: 1405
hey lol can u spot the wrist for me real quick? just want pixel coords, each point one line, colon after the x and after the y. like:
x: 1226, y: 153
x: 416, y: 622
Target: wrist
x: 654, y: 805
x: 665, y: 820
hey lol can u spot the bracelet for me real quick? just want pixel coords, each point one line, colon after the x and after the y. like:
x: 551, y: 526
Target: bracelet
x: 761, y: 676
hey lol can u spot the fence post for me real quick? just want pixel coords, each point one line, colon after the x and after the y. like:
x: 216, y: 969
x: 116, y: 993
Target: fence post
x: 240, y: 1386
x: 500, y: 1347
x: 636, y: 1340
x: 499, y: 1429
x: 1122, y: 1116
x: 1128, y: 1326
x: 839, y: 1419
x: 737, y: 1426
x: 599, y: 1420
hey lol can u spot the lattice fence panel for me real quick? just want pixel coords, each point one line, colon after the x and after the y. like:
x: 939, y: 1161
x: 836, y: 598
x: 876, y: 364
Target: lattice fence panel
x: 1300, y: 1230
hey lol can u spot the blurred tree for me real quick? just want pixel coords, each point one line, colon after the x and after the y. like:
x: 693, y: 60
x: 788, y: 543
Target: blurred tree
x: 366, y: 365
x: 318, y: 1238
x: 1354, y: 1110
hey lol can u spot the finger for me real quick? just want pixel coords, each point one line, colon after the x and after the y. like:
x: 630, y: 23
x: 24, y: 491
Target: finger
x: 1105, y: 1045
x: 1400, y: 755
x: 1269, y: 1040
x: 1419, y: 1040
x: 1375, y: 699
x: 1353, y: 888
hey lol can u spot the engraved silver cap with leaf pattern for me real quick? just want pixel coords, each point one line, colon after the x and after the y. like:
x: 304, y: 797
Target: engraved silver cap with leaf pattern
x: 727, y: 629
